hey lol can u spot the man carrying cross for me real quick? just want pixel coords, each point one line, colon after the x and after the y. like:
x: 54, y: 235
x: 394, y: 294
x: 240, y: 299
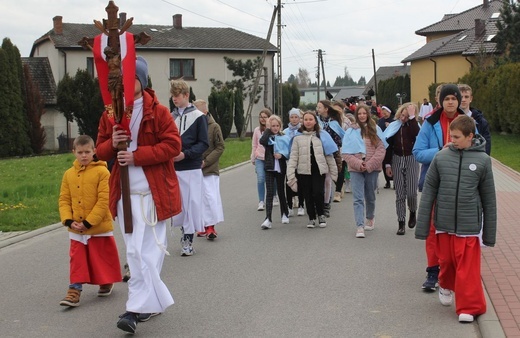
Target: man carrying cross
x: 154, y: 194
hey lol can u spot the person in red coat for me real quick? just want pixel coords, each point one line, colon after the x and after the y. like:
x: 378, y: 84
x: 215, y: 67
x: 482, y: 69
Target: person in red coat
x: 155, y: 195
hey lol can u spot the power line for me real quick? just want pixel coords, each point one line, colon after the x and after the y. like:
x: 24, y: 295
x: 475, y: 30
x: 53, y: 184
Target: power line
x: 238, y: 9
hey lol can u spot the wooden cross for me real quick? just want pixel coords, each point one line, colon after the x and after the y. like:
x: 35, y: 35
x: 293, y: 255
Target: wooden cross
x: 112, y: 51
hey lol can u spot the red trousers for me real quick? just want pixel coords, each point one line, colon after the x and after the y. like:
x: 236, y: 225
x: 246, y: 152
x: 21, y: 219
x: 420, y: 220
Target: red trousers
x: 95, y: 263
x: 431, y: 247
x: 459, y: 258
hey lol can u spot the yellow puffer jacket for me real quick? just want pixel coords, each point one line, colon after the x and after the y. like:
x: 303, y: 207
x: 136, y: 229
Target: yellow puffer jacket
x: 84, y: 196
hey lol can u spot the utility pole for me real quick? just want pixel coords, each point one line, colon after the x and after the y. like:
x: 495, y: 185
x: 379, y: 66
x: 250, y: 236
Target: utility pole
x: 279, y: 58
x: 258, y: 76
x: 323, y: 71
x: 320, y: 64
x: 375, y: 76
x: 318, y: 77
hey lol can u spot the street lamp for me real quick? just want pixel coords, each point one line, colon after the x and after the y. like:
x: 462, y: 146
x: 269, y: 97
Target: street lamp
x: 400, y: 97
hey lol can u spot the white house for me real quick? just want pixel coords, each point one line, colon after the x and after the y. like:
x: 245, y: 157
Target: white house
x: 194, y: 53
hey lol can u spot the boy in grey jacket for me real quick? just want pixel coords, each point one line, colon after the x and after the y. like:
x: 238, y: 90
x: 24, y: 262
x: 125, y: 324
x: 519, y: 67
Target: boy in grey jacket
x: 460, y: 190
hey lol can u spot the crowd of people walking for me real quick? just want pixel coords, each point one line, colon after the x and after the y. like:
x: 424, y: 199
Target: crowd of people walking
x: 335, y: 149
x: 173, y: 178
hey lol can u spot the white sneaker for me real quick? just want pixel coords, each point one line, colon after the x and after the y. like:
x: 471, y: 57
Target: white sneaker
x: 276, y: 201
x: 285, y: 219
x: 261, y: 206
x: 187, y: 248
x: 301, y: 212
x: 266, y: 224
x: 369, y: 224
x: 465, y: 318
x: 322, y: 223
x: 291, y: 213
x: 360, y: 233
x: 347, y: 186
x: 311, y: 224
x: 446, y: 297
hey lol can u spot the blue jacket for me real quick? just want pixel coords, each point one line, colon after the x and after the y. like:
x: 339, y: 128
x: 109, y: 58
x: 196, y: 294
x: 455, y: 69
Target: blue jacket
x: 193, y: 128
x: 430, y: 139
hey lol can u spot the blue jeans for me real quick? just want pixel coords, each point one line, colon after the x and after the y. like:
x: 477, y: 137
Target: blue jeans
x: 363, y: 185
x: 260, y: 178
x: 422, y: 177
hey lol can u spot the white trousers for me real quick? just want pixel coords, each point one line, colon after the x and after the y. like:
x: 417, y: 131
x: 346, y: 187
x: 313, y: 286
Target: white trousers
x: 191, y: 217
x: 147, y: 293
x: 213, y: 212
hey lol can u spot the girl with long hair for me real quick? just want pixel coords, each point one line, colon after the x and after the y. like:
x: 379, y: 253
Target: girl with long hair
x: 364, y: 150
x: 311, y: 160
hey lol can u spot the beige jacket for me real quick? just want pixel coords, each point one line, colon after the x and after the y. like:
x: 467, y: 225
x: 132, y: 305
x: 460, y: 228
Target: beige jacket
x: 300, y: 158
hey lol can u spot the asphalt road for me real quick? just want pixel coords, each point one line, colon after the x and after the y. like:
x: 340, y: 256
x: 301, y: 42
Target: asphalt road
x: 288, y: 281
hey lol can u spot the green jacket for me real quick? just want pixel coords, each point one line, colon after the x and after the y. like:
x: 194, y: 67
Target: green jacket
x: 216, y: 147
x: 460, y: 189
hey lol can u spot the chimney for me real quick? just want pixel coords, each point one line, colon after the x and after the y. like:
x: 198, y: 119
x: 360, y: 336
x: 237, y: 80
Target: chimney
x: 485, y: 4
x: 480, y: 28
x: 58, y: 25
x: 177, y: 21
x: 122, y: 19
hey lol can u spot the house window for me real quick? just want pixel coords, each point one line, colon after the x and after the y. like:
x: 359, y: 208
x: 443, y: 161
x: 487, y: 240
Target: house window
x: 182, y: 68
x: 90, y: 66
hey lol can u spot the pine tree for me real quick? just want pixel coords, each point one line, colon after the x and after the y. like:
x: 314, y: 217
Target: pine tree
x: 34, y: 108
x: 508, y: 35
x: 239, y: 111
x: 16, y: 136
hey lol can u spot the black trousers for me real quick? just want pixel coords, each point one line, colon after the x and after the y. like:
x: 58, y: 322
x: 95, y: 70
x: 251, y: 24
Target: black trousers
x: 290, y: 194
x: 272, y: 178
x: 313, y: 189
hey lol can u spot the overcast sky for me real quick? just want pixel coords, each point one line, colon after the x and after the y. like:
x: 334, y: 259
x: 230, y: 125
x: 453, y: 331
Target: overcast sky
x: 346, y: 30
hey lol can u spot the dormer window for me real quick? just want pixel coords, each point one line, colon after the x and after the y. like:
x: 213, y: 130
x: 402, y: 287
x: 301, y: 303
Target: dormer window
x: 495, y: 15
x: 491, y: 36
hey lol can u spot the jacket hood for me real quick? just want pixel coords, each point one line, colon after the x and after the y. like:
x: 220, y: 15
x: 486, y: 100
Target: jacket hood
x: 94, y: 163
x: 210, y: 118
x: 478, y: 144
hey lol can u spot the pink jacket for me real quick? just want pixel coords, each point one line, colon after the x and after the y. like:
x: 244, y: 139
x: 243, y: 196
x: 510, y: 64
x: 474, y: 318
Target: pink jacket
x: 258, y: 150
x: 373, y: 158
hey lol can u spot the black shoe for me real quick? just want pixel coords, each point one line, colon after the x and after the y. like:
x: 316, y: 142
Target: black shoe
x: 387, y: 185
x: 413, y: 220
x: 144, y: 317
x: 128, y: 322
x: 326, y: 210
x: 432, y: 279
x: 401, y: 229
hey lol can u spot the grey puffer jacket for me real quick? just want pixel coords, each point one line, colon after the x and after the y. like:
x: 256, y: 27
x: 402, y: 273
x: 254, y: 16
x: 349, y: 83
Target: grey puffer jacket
x: 460, y: 189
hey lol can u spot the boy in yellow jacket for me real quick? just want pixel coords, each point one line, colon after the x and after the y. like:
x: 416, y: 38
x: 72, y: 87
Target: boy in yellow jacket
x: 83, y: 206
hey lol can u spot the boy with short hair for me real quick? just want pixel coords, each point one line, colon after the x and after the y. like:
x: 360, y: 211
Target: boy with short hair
x: 482, y: 124
x: 83, y: 207
x: 193, y: 128
x: 460, y: 191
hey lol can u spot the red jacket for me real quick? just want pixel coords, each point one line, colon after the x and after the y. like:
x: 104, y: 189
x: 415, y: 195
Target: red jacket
x: 158, y: 143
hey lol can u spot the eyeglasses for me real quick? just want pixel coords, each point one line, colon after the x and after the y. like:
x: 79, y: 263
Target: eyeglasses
x: 262, y: 117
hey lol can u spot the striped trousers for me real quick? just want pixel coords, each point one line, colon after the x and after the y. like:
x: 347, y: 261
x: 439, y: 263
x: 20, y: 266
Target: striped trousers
x: 406, y: 176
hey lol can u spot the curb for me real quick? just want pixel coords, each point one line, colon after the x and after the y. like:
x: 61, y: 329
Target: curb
x: 29, y: 234
x: 488, y: 323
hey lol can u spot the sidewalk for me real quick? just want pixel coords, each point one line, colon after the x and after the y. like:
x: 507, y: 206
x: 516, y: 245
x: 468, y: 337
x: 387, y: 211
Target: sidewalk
x: 501, y: 264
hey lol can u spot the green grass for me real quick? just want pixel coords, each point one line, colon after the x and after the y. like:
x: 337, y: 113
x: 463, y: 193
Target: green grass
x: 506, y: 149
x: 237, y: 151
x: 29, y: 187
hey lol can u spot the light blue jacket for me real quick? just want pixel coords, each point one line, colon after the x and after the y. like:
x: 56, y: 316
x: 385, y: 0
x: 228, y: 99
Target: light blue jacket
x: 430, y: 139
